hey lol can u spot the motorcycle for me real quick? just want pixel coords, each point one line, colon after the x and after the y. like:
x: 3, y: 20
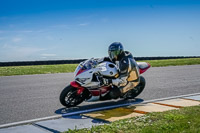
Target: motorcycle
x: 88, y: 85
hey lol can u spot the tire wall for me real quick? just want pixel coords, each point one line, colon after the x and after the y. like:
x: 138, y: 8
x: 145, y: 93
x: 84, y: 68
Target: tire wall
x: 53, y: 62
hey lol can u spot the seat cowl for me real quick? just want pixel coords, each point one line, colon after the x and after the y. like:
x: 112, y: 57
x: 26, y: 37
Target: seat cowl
x: 143, y: 66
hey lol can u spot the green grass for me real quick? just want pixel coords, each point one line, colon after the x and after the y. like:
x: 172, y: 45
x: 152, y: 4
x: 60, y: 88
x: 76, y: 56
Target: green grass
x: 44, y: 69
x: 184, y: 120
x: 174, y: 62
x: 37, y: 69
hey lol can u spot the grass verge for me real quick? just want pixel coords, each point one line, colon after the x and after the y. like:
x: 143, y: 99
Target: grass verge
x: 37, y: 69
x: 184, y: 120
x: 174, y: 62
x: 64, y: 68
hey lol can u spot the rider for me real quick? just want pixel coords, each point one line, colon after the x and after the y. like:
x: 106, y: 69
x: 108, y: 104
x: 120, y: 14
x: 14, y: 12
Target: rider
x: 128, y: 70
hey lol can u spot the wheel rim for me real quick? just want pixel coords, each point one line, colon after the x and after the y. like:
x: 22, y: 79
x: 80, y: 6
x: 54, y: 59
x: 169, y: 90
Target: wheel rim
x: 72, y: 98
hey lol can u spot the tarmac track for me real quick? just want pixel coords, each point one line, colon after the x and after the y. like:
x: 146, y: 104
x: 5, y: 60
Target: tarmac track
x: 35, y: 96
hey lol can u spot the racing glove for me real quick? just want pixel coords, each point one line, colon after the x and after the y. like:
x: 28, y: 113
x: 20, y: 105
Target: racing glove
x: 105, y: 81
x: 119, y: 82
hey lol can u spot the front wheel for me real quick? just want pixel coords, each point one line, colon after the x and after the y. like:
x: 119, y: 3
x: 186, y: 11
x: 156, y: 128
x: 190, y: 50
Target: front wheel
x: 70, y: 98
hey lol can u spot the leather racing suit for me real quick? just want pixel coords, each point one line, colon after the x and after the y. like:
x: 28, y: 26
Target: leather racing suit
x: 128, y: 72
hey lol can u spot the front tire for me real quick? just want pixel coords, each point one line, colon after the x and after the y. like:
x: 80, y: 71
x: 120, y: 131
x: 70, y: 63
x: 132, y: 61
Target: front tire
x: 70, y: 98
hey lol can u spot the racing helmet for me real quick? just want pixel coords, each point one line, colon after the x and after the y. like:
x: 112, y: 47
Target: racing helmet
x: 115, y: 51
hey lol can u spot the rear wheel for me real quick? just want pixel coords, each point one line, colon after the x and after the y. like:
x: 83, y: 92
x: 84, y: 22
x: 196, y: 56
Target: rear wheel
x: 137, y: 90
x: 70, y: 98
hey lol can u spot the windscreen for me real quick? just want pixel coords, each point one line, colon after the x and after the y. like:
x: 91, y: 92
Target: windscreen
x: 86, y: 65
x: 89, y: 64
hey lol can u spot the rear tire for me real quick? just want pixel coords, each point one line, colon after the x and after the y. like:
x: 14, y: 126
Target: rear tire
x: 69, y: 97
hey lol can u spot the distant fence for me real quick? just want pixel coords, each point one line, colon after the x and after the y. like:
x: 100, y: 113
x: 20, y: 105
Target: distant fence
x: 53, y: 62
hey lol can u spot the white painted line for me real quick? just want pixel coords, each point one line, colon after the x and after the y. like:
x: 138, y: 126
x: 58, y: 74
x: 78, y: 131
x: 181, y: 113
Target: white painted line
x: 30, y: 121
x: 90, y: 110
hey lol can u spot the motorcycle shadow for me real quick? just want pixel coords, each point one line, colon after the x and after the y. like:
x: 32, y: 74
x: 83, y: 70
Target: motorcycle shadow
x: 75, y: 112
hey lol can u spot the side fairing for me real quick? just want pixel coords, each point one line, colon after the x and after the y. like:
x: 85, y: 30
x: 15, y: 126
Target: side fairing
x: 85, y: 77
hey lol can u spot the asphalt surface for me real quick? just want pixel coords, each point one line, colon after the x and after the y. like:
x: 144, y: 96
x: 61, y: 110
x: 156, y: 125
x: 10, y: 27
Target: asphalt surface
x: 35, y: 96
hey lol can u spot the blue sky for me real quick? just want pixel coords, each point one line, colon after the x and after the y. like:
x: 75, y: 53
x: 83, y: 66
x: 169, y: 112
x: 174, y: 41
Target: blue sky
x: 69, y: 29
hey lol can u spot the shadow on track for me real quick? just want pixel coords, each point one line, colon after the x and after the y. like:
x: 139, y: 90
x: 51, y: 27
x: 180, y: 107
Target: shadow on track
x: 65, y: 111
x: 76, y: 112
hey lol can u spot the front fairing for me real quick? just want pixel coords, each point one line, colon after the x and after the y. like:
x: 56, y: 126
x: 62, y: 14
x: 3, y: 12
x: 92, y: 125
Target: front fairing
x: 84, y: 72
x: 78, y: 70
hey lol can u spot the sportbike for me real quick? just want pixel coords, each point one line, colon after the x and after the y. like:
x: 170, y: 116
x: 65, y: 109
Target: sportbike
x: 88, y: 84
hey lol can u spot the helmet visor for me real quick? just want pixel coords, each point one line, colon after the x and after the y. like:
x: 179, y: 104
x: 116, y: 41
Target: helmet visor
x: 114, y: 54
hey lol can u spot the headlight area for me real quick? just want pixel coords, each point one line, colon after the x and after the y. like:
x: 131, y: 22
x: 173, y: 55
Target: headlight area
x: 81, y: 80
